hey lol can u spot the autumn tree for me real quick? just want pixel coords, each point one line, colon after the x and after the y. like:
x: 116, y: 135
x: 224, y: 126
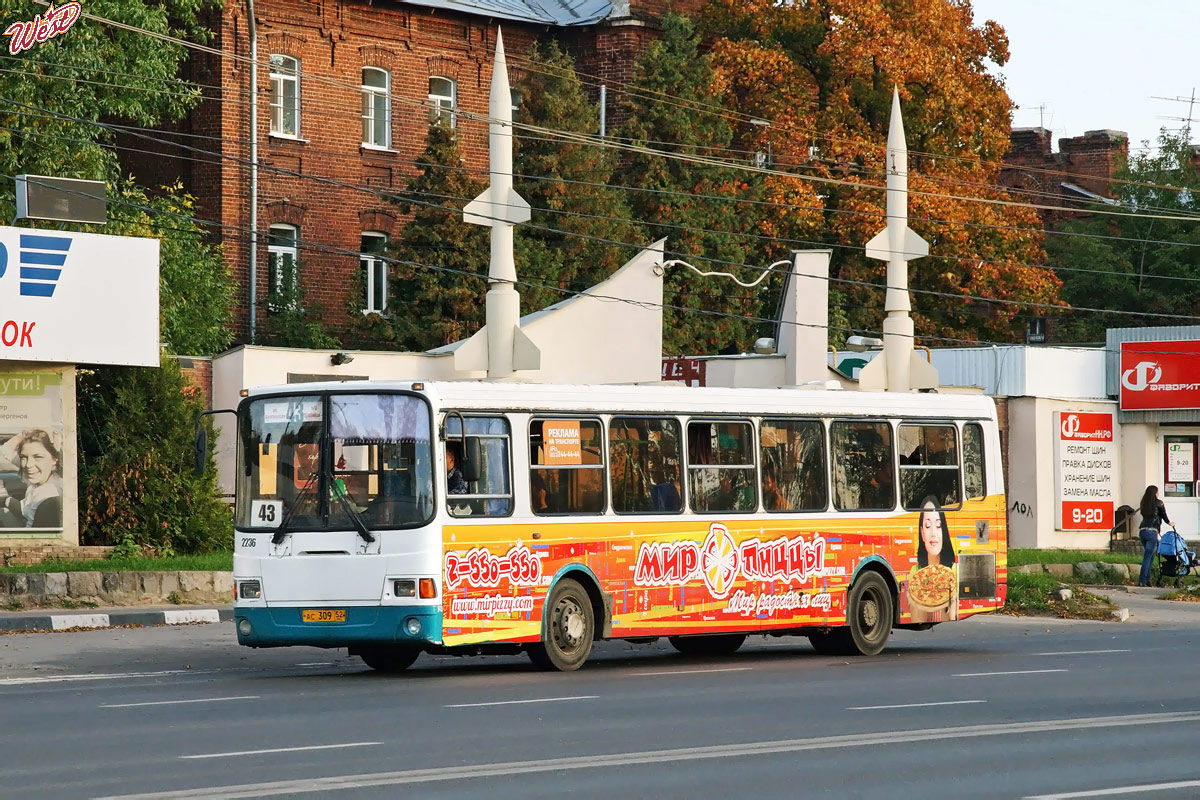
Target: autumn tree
x: 693, y: 202
x: 577, y: 219
x: 1147, y: 262
x: 822, y: 73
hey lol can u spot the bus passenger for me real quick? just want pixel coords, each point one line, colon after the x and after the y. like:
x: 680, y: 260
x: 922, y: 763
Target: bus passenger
x: 773, y: 499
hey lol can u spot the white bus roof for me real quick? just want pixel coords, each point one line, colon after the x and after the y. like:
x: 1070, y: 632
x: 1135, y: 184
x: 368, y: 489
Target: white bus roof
x: 665, y: 398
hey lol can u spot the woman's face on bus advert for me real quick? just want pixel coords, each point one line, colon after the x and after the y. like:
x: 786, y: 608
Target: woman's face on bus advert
x: 931, y: 531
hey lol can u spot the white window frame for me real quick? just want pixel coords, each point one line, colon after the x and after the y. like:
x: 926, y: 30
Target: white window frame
x: 276, y: 251
x: 371, y: 96
x: 443, y: 106
x: 371, y: 263
x: 281, y: 74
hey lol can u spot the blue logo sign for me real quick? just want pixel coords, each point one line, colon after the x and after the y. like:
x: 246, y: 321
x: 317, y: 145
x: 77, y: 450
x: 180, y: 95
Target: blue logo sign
x: 41, y: 260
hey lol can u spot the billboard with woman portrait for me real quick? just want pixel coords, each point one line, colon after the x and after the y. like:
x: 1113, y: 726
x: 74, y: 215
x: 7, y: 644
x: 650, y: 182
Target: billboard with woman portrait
x: 31, y: 436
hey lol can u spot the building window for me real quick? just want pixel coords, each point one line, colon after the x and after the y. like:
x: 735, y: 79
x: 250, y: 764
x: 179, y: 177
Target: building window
x: 376, y: 107
x: 283, y: 249
x: 285, y: 96
x: 442, y: 97
x: 375, y: 272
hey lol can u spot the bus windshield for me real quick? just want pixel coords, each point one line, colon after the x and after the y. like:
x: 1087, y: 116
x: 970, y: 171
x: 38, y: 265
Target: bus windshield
x: 321, y: 462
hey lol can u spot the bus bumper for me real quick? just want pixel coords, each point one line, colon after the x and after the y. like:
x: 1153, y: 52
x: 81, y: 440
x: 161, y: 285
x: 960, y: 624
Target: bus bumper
x: 283, y: 627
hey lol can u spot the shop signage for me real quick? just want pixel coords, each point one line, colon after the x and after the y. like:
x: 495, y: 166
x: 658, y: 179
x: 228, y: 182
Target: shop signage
x: 1160, y: 376
x: 689, y: 370
x: 1181, y: 462
x: 78, y: 298
x: 1084, y: 470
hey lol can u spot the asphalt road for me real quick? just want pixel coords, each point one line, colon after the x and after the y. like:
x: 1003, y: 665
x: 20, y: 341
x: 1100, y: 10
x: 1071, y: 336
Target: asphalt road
x: 989, y: 708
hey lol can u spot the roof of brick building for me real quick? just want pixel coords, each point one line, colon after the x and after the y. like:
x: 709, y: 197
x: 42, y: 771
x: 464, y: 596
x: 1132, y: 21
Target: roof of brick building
x: 540, y: 12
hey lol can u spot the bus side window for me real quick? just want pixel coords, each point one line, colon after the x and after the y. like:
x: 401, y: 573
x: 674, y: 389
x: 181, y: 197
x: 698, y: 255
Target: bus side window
x: 491, y: 495
x: 793, y: 465
x: 973, y: 464
x: 928, y: 465
x: 863, y: 475
x: 721, y: 467
x: 566, y: 466
x: 644, y: 460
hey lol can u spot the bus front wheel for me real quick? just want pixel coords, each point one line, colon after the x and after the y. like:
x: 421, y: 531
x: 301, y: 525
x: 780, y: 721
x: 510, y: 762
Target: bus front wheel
x: 389, y: 659
x: 715, y: 645
x: 570, y: 629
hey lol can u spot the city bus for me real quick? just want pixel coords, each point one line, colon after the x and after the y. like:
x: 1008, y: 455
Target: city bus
x: 466, y: 517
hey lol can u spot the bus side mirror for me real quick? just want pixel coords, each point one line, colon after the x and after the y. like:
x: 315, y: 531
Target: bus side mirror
x: 472, y: 459
x: 200, y: 453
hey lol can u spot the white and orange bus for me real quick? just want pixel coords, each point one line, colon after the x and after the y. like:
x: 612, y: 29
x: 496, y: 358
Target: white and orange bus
x: 395, y: 518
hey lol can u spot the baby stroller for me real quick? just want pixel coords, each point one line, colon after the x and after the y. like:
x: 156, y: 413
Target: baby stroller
x: 1175, y: 561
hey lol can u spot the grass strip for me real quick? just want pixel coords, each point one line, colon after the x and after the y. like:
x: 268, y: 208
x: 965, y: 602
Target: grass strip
x: 207, y: 562
x: 1037, y: 596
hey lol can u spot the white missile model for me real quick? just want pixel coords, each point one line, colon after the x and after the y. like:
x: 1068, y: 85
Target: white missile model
x: 500, y: 347
x: 898, y: 368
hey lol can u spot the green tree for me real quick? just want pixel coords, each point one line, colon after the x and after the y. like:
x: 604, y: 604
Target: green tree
x: 672, y: 78
x: 566, y: 186
x: 136, y: 477
x: 56, y: 94
x: 1134, y: 264
x: 441, y: 300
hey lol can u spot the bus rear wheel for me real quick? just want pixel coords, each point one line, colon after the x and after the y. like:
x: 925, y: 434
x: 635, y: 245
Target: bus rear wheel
x: 869, y: 616
x: 570, y: 629
x: 717, y: 645
x: 389, y: 659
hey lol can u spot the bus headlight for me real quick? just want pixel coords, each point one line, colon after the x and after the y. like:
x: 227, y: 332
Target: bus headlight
x: 250, y: 590
x: 413, y: 626
x: 405, y: 588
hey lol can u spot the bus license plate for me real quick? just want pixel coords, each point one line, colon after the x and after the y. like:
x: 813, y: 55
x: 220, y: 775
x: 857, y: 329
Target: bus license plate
x: 324, y: 615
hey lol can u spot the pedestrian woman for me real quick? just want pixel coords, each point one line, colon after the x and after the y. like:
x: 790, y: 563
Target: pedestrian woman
x: 1154, y: 514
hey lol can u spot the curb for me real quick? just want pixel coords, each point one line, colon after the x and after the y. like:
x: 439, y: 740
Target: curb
x: 28, y: 623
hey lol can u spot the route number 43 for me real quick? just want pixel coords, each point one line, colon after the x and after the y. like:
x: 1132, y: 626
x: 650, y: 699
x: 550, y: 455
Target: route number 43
x: 266, y: 513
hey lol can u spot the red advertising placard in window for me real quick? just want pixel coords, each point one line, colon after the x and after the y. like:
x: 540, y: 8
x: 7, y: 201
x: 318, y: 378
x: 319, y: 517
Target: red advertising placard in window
x: 1160, y: 376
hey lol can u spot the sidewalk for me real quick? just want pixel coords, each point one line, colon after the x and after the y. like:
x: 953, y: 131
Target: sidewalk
x: 61, y: 619
x: 1145, y: 607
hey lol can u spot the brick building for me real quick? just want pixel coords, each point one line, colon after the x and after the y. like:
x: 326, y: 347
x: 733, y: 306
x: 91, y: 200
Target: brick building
x: 1079, y: 174
x: 346, y: 102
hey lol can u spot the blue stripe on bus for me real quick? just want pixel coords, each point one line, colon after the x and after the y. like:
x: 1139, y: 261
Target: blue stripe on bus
x: 281, y: 626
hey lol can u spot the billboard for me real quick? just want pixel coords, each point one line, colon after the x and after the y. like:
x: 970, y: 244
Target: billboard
x: 1160, y: 376
x: 31, y: 442
x: 1085, y: 453
x: 78, y: 298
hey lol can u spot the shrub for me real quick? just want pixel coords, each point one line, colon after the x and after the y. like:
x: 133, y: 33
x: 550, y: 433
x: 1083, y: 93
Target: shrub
x: 137, y: 485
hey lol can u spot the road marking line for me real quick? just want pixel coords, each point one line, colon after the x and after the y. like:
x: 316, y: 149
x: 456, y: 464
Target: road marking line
x: 113, y: 676
x: 61, y: 622
x: 1146, y: 787
x: 695, y: 671
x: 1080, y: 652
x: 283, y: 750
x: 515, y: 702
x: 318, y: 664
x: 917, y: 705
x: 1014, y: 672
x: 474, y: 771
x: 180, y: 702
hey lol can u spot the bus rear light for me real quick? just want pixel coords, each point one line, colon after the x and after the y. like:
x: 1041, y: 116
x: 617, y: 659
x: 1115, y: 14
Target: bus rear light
x: 250, y: 590
x: 428, y: 590
x: 405, y: 588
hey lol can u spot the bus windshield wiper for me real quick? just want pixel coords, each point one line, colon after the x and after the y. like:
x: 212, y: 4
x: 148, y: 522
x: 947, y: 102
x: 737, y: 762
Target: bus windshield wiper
x: 281, y: 531
x: 355, y: 517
